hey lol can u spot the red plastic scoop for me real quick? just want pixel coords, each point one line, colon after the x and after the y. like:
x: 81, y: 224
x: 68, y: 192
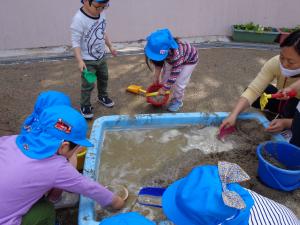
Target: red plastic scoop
x: 264, y: 98
x: 225, y: 131
x: 290, y: 94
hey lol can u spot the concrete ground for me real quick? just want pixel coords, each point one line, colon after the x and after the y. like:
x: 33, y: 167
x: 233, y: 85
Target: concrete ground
x: 219, y: 79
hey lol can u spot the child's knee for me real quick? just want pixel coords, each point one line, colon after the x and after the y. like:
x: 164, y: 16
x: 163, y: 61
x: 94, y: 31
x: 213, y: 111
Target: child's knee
x: 41, y: 213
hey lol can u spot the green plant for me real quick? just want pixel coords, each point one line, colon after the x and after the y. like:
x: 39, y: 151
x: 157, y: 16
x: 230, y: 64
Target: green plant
x: 252, y: 27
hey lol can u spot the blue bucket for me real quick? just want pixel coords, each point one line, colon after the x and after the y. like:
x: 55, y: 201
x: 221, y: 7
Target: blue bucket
x: 288, y: 155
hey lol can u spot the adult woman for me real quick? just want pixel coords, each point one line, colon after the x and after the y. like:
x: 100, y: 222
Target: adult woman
x: 285, y: 69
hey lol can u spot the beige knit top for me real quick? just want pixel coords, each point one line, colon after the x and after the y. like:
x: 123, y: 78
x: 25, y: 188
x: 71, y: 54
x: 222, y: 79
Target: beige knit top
x: 269, y: 72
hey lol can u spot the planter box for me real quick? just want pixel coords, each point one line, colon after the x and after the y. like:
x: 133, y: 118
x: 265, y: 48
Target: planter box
x: 284, y: 32
x: 283, y: 35
x: 253, y: 36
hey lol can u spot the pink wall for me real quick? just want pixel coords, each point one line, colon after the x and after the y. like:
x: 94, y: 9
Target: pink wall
x: 40, y: 23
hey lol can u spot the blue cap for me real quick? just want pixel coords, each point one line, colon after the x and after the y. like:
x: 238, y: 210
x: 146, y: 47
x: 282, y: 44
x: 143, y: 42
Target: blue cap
x: 159, y: 43
x: 131, y: 218
x: 197, y: 200
x: 45, y: 99
x: 55, y: 125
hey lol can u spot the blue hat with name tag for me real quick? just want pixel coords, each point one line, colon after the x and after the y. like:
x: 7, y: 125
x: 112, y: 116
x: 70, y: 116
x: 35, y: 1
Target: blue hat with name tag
x: 159, y: 43
x: 55, y: 125
x: 45, y: 99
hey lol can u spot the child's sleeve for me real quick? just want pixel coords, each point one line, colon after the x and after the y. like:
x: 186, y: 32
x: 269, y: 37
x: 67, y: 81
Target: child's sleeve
x: 177, y: 65
x: 76, y: 32
x: 69, y: 179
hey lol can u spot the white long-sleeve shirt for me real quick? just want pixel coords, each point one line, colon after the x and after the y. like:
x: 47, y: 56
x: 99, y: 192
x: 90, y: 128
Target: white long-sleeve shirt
x: 87, y: 33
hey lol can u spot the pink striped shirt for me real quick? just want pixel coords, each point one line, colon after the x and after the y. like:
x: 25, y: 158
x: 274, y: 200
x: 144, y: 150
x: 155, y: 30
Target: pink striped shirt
x: 186, y: 54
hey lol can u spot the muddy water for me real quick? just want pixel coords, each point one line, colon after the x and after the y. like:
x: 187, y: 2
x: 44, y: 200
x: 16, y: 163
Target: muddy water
x: 137, y: 158
x: 130, y: 157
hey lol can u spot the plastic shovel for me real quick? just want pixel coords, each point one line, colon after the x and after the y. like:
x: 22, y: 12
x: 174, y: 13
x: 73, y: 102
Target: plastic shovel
x: 136, y: 89
x: 89, y: 76
x: 151, y: 196
x: 139, y: 90
x: 225, y: 131
x: 264, y: 98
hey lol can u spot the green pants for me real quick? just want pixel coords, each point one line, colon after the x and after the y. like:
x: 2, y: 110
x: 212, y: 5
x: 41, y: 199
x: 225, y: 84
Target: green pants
x: 101, y: 70
x: 41, y: 213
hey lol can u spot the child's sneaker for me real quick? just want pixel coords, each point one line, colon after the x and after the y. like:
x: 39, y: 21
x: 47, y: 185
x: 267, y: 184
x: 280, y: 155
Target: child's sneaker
x: 175, y: 105
x: 106, y: 101
x: 87, y: 112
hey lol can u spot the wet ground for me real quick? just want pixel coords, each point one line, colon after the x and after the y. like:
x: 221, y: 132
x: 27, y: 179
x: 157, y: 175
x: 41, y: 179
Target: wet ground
x: 217, y: 82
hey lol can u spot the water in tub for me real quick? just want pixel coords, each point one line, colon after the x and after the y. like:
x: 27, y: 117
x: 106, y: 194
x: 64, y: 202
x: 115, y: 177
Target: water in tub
x: 132, y: 157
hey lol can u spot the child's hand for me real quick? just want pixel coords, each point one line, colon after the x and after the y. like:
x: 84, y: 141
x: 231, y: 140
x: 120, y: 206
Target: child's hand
x: 156, y: 80
x: 157, y: 72
x: 161, y: 91
x: 73, y: 158
x: 117, y: 202
x: 54, y: 195
x: 81, y: 65
x: 113, y: 52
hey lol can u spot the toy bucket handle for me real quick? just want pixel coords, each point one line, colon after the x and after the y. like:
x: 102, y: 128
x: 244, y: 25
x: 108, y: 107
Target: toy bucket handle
x: 285, y: 188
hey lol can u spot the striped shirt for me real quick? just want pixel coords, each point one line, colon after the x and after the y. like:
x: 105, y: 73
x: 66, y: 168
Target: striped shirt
x: 186, y: 54
x: 267, y: 212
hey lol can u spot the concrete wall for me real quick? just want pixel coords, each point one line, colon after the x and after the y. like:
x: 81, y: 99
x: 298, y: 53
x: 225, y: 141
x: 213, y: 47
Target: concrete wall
x: 41, y: 23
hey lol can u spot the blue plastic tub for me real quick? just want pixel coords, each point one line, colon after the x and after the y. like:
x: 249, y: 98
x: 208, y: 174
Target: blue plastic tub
x: 287, y: 179
x: 119, y: 122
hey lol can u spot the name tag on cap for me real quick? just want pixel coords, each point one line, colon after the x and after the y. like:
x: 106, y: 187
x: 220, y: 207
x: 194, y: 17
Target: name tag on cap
x: 62, y: 126
x: 162, y: 52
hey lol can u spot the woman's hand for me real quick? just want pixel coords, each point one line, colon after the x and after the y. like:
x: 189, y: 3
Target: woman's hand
x: 287, y: 92
x: 279, y: 125
x: 228, y: 122
x: 241, y: 105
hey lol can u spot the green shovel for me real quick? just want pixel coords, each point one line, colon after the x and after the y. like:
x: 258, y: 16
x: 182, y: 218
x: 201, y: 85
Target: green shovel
x: 89, y: 76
